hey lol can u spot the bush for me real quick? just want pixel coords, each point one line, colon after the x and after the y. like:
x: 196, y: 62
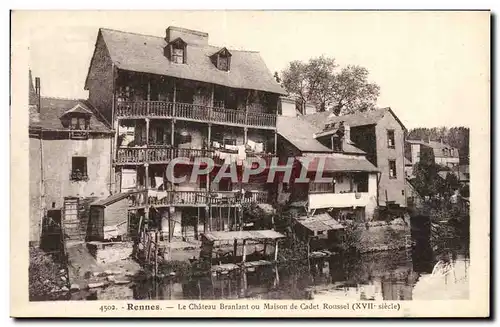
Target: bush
x: 44, y: 276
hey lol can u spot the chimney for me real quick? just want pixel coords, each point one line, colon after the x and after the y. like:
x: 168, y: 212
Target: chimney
x: 188, y: 36
x: 37, y: 92
x: 347, y: 132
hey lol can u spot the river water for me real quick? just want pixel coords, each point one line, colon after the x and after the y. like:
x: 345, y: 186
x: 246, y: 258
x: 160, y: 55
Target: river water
x: 418, y: 274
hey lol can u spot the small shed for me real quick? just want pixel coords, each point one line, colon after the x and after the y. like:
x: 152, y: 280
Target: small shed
x: 321, y: 231
x: 109, y: 218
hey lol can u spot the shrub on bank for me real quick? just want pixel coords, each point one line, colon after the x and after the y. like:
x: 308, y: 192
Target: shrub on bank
x: 44, y: 276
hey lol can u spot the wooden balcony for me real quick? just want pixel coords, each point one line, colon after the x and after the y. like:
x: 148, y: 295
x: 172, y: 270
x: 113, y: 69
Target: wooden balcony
x: 193, y: 112
x: 158, y: 154
x: 164, y: 154
x: 141, y: 199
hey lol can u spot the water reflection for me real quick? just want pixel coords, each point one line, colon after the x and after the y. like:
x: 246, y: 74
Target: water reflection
x: 391, y: 275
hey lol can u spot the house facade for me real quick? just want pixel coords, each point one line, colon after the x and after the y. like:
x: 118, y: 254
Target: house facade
x: 438, y: 152
x: 178, y: 96
x: 349, y: 188
x: 69, y: 158
x: 380, y: 135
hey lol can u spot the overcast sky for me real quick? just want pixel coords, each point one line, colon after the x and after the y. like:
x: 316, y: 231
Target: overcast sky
x: 432, y: 68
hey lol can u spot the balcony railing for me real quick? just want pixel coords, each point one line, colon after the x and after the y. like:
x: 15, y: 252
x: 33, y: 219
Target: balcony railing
x: 163, y: 154
x: 159, y: 154
x: 161, y: 109
x: 172, y: 198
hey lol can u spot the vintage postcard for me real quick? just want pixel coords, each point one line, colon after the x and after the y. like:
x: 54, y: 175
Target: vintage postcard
x: 250, y: 164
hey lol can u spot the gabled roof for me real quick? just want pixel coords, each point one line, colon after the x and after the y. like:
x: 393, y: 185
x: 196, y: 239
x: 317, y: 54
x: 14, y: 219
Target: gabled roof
x: 300, y: 133
x: 52, y: 109
x: 145, y: 54
x: 370, y: 117
x: 224, y: 51
x: 78, y: 109
x: 177, y: 40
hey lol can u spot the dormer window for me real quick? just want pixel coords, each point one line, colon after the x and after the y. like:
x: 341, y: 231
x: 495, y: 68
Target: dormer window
x: 77, y: 120
x: 222, y: 59
x: 177, y: 51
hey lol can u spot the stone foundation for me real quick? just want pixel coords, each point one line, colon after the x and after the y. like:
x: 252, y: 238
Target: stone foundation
x: 382, y: 236
x: 110, y: 252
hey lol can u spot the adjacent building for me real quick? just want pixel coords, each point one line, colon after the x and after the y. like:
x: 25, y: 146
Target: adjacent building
x: 438, y: 152
x: 330, y: 153
x: 178, y: 96
x: 380, y: 135
x: 69, y: 158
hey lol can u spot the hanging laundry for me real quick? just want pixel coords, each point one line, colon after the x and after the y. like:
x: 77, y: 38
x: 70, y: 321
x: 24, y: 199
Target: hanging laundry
x: 251, y: 144
x: 158, y: 181
x: 231, y: 147
x: 242, y: 154
x: 128, y: 178
x: 259, y: 147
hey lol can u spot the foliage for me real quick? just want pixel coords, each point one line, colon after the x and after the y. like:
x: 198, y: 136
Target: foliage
x: 427, y: 181
x: 43, y: 274
x: 457, y: 137
x: 352, y: 232
x: 318, y: 81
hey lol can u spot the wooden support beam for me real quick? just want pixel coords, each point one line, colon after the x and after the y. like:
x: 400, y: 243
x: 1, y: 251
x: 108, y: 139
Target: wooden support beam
x: 275, y: 142
x: 276, y: 250
x: 205, y: 229
x: 244, y: 251
x: 197, y: 223
x: 245, y: 135
x: 147, y: 131
x: 174, y: 100
x: 172, y: 132
x: 235, y: 247
x: 210, y: 214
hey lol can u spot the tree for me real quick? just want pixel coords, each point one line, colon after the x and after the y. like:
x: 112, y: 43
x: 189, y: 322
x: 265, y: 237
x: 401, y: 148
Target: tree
x: 427, y: 181
x: 319, y: 82
x: 277, y: 77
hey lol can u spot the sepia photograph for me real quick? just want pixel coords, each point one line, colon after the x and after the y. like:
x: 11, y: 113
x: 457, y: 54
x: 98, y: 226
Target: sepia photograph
x: 320, y: 157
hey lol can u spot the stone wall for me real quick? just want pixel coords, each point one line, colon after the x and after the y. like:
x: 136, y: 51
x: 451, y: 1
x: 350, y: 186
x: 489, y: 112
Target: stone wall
x: 109, y: 252
x: 382, y: 236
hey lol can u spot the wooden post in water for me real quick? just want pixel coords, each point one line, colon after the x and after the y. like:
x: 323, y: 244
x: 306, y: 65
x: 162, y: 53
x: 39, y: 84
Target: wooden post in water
x: 276, y: 250
x: 244, y: 251
x: 156, y: 253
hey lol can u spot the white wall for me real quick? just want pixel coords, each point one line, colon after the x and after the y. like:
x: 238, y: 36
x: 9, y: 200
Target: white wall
x: 368, y: 200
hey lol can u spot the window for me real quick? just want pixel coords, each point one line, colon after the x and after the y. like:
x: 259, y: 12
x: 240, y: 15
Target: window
x: 229, y: 141
x: 392, y: 169
x: 177, y: 50
x: 79, y: 169
x: 223, y: 63
x: 361, y: 180
x: 336, y: 144
x: 178, y: 56
x: 79, y: 123
x: 390, y: 139
x: 202, y: 181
